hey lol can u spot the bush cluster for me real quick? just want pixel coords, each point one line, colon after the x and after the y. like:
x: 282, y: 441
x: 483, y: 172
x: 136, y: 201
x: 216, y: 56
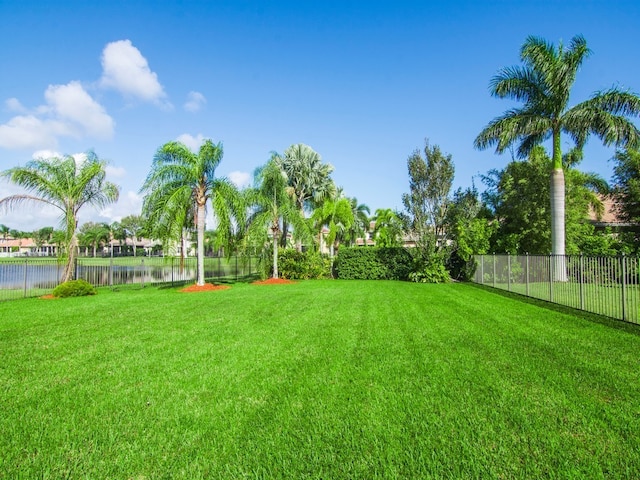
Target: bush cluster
x: 377, y: 263
x: 308, y: 265
x: 74, y: 288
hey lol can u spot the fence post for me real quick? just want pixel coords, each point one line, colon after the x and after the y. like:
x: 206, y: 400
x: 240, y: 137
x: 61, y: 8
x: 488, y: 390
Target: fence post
x: 551, y: 264
x: 142, y: 272
x: 526, y: 273
x: 624, y: 287
x: 494, y: 270
x: 111, y: 269
x: 508, y: 272
x: 581, y: 282
x: 26, y: 268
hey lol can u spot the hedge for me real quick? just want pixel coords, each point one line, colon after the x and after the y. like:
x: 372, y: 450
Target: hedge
x: 372, y: 263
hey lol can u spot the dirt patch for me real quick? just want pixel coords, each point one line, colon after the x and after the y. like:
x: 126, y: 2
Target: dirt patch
x: 273, y: 281
x: 48, y: 297
x: 207, y: 287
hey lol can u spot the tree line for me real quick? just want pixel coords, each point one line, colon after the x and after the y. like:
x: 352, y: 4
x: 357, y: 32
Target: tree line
x: 539, y: 203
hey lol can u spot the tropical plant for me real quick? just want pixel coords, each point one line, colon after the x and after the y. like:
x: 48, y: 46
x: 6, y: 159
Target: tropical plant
x: 181, y: 182
x: 336, y: 215
x: 94, y: 235
x: 360, y: 225
x: 67, y: 185
x: 271, y: 205
x: 4, y: 231
x: 309, y: 180
x: 134, y: 228
x: 388, y: 228
x: 544, y: 85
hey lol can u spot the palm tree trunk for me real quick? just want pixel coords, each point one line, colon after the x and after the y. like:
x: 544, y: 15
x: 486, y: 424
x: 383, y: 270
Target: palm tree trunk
x: 200, y: 244
x: 557, y: 225
x: 69, y: 269
x: 275, y: 252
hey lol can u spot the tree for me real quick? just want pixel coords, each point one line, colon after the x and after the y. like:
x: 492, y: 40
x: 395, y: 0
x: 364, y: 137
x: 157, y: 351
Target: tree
x: 93, y: 235
x: 360, y: 225
x: 388, y: 229
x: 180, y: 182
x: 544, y: 85
x: 66, y: 185
x: 518, y: 198
x: 42, y: 236
x: 430, y: 180
x: 117, y: 233
x: 133, y: 226
x: 309, y: 179
x: 270, y: 206
x: 626, y: 192
x: 4, y: 231
x: 335, y: 214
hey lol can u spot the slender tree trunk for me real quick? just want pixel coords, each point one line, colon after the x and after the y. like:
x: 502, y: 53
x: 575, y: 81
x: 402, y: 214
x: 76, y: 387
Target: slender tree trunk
x: 70, y: 267
x: 200, y: 244
x: 557, y: 213
x: 275, y: 252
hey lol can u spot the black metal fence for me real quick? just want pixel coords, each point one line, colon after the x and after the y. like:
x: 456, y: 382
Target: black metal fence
x: 33, y: 276
x: 604, y: 285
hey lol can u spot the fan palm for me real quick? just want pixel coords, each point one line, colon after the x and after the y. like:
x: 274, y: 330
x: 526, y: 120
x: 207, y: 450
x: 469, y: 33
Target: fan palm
x: 181, y: 181
x: 544, y: 84
x: 66, y: 185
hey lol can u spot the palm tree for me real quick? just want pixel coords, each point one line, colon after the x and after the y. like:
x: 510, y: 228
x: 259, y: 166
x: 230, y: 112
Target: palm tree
x: 309, y: 179
x: 360, y: 225
x: 544, y: 84
x: 388, y: 229
x: 270, y: 204
x: 66, y: 185
x: 4, y: 231
x: 181, y: 180
x: 94, y: 234
x: 335, y: 214
x: 133, y: 226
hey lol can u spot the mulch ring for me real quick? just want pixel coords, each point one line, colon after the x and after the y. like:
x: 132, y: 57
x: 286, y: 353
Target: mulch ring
x: 273, y: 281
x: 207, y: 287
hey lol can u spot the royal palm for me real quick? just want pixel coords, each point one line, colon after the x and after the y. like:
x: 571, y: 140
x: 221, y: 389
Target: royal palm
x: 544, y: 85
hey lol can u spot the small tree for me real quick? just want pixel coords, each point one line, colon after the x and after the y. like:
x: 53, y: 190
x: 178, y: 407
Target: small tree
x: 426, y: 204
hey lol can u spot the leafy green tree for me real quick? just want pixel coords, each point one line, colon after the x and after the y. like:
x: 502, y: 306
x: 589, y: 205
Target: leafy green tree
x: 134, y: 228
x: 626, y: 195
x: 360, y: 225
x: 181, y: 180
x: 309, y: 179
x: 544, y: 85
x: 117, y: 233
x: 426, y: 204
x: 336, y: 215
x: 270, y: 206
x: 388, y: 229
x: 94, y: 235
x: 66, y: 185
x: 518, y: 197
x: 4, y: 231
x: 42, y: 236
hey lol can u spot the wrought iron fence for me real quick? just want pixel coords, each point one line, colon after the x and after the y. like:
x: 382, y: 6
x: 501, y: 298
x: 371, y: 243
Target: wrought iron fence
x: 607, y: 286
x: 33, y: 276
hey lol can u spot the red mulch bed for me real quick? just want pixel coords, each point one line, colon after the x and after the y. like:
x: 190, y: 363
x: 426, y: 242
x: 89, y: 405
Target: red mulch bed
x: 48, y: 297
x: 273, y: 281
x: 207, y: 287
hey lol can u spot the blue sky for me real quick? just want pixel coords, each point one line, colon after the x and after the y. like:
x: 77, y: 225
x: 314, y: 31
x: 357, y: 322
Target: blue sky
x: 364, y: 83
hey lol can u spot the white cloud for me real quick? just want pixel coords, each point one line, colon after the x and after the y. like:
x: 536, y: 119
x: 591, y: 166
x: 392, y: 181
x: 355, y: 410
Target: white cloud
x: 127, y: 71
x: 46, y: 154
x: 115, y: 172
x: 14, y: 105
x: 69, y: 111
x: 195, y: 101
x: 129, y: 203
x: 240, y: 179
x: 72, y: 104
x: 192, y: 143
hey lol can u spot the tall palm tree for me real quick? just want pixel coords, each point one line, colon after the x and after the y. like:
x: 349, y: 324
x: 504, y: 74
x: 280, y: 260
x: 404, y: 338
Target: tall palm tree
x: 388, y: 229
x: 358, y: 229
x: 270, y: 204
x: 66, y: 185
x: 544, y: 84
x: 309, y: 179
x: 181, y: 181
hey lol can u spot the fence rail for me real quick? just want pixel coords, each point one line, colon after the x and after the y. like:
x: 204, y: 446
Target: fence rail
x: 607, y: 286
x: 32, y: 277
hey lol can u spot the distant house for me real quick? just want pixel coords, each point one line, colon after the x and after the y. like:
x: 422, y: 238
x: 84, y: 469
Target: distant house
x: 19, y: 247
x: 610, y: 218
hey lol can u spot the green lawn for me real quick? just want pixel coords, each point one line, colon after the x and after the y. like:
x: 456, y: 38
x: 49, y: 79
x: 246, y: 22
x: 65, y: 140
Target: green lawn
x: 320, y: 379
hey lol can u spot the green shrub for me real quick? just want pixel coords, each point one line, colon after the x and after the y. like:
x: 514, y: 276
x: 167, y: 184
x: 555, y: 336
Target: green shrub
x: 74, y: 288
x: 308, y: 265
x: 365, y: 263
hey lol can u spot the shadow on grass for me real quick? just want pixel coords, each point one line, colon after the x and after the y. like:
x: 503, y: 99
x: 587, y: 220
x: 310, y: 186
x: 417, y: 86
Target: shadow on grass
x: 628, y: 327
